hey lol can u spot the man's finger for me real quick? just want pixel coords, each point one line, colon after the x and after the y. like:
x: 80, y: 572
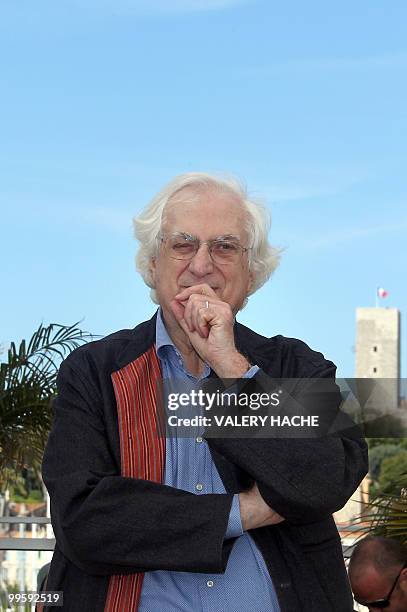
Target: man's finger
x: 202, y: 289
x: 192, y: 309
x: 204, y: 316
x: 178, y: 309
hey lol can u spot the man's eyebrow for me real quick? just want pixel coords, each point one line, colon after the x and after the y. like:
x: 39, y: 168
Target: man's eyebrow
x: 222, y: 237
x: 180, y: 233
x: 227, y: 237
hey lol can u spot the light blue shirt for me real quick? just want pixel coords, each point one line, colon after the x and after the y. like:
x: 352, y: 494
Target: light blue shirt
x: 246, y: 584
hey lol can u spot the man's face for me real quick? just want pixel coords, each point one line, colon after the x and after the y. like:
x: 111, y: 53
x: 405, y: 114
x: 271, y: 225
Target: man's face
x: 369, y: 585
x: 207, y: 217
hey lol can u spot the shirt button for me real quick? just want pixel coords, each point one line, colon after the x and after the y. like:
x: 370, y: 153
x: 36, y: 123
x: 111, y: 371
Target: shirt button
x: 199, y: 486
x: 198, y: 439
x: 209, y: 583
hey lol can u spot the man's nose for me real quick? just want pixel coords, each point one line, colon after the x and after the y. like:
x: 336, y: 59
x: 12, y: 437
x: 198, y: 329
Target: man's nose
x: 201, y: 263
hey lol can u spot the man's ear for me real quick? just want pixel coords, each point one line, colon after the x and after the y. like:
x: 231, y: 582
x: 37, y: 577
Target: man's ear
x: 250, y: 282
x: 403, y: 581
x: 152, y: 268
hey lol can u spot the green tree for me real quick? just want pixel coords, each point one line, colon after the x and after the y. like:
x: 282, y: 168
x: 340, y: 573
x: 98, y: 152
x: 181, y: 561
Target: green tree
x: 392, y: 470
x: 27, y: 387
x: 377, y: 454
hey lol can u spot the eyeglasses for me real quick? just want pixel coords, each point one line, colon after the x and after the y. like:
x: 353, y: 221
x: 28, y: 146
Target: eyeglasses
x: 385, y: 602
x: 223, y: 250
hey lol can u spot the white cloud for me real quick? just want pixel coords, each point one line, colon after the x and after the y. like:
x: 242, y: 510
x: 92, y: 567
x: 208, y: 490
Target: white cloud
x: 309, y: 184
x: 107, y: 218
x: 160, y: 7
x: 192, y: 5
x: 295, y: 193
x: 330, y: 239
x: 397, y: 60
x: 339, y: 64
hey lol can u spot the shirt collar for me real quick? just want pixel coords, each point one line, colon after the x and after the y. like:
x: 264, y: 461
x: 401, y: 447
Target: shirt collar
x: 162, y: 337
x: 162, y: 340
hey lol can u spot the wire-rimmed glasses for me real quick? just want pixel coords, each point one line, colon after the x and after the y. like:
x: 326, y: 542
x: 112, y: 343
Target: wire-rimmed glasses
x: 183, y: 246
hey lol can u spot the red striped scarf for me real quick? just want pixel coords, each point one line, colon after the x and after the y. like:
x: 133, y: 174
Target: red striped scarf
x: 142, y: 452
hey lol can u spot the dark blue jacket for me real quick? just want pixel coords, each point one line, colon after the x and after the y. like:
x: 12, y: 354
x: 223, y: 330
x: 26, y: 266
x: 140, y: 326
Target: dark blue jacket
x: 99, y: 517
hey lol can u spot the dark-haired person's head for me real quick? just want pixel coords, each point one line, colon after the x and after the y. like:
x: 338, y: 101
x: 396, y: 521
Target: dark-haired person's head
x: 378, y: 574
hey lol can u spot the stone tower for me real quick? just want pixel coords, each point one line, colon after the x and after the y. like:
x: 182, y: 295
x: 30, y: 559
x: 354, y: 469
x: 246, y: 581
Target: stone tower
x: 377, y: 356
x: 378, y: 351
x: 377, y: 343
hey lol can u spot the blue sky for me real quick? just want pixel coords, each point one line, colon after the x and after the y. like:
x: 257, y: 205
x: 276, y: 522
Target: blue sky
x: 103, y: 102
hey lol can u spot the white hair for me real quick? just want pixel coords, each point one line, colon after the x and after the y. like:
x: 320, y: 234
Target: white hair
x: 263, y: 258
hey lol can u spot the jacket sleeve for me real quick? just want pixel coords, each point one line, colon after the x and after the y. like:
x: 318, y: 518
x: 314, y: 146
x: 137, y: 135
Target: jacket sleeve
x: 305, y: 479
x: 109, y: 524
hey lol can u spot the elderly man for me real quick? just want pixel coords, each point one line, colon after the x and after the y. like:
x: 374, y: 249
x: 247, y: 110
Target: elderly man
x: 149, y: 523
x: 378, y: 574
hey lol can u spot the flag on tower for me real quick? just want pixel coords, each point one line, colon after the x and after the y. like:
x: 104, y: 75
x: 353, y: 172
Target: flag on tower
x: 382, y: 293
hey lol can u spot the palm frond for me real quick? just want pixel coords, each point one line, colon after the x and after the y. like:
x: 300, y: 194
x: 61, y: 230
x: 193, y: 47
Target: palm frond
x: 27, y: 387
x: 387, y: 512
